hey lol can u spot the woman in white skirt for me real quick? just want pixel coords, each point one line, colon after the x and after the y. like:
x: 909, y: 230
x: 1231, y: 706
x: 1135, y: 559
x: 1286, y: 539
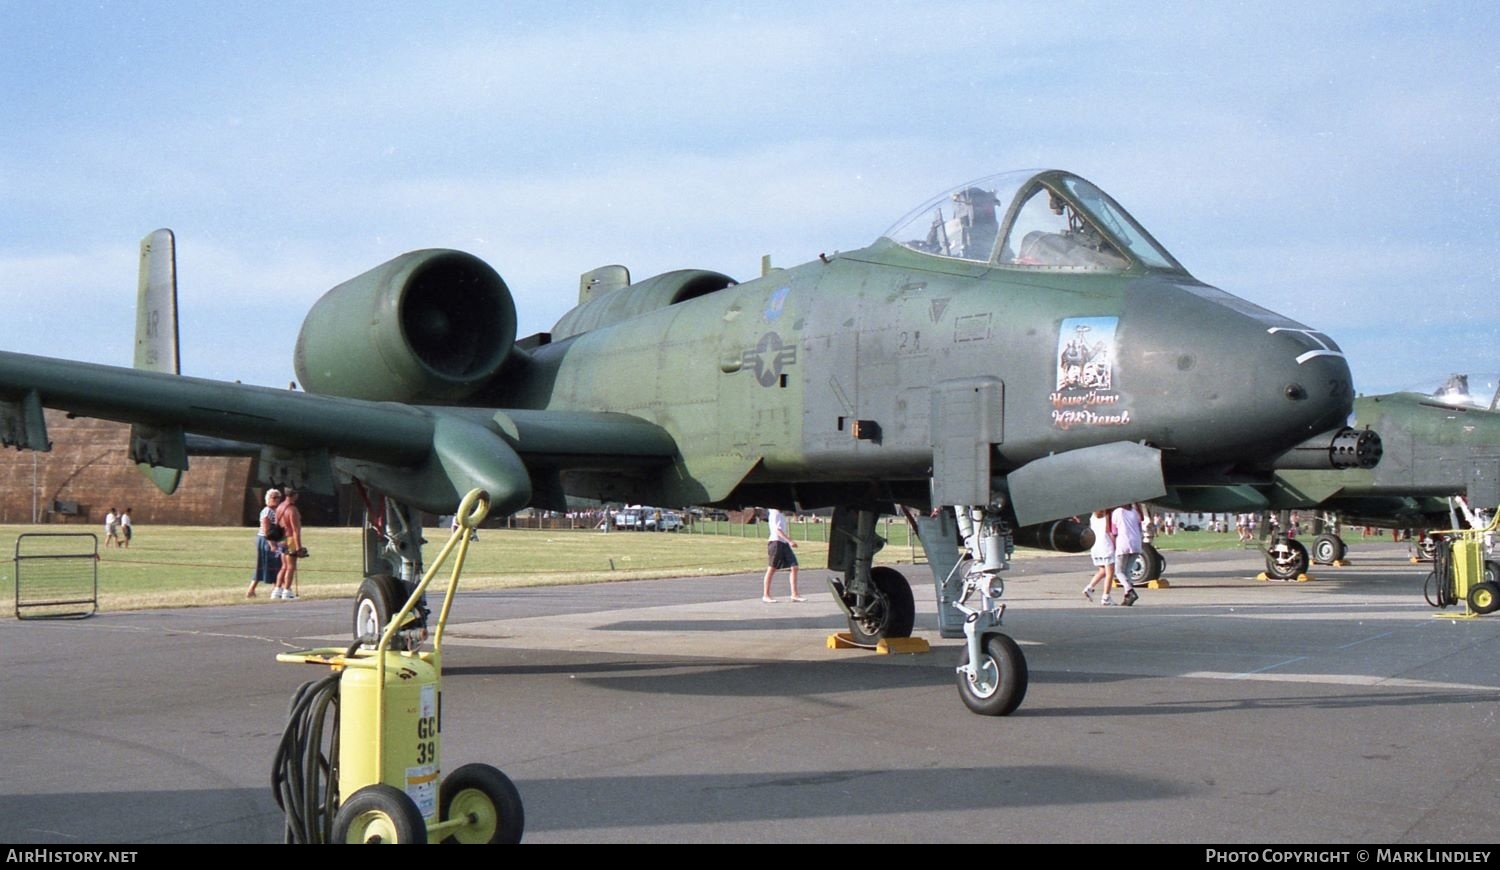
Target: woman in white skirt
x: 1103, y: 554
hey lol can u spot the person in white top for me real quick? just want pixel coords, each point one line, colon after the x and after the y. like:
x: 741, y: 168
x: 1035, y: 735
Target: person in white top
x: 267, y: 560
x: 779, y: 555
x: 1103, y: 555
x: 1126, y: 520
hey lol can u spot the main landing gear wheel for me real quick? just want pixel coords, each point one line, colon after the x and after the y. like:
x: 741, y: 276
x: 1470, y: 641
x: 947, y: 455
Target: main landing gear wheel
x: 1427, y: 548
x: 379, y: 598
x: 1328, y: 549
x: 1145, y: 566
x: 1484, y: 598
x: 893, y: 613
x: 1492, y: 572
x: 1285, y: 560
x: 379, y: 814
x: 488, y: 800
x: 999, y: 683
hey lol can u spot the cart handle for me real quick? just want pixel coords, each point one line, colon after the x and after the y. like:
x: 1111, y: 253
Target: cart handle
x: 471, y: 512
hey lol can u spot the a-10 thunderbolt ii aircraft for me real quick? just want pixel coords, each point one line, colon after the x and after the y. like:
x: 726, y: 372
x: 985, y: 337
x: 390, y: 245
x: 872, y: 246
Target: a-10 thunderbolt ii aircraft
x: 1017, y: 351
x: 1437, y: 445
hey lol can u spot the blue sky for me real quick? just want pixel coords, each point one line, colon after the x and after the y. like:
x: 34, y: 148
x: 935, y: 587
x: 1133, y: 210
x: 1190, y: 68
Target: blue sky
x: 1335, y: 162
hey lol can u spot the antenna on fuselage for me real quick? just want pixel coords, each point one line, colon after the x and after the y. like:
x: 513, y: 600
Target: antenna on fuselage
x: 597, y: 282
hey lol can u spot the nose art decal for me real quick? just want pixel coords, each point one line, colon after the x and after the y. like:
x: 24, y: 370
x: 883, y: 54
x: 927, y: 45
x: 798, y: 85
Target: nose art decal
x: 1086, y: 393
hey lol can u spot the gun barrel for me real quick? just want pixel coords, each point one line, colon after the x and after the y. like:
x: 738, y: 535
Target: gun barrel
x: 1341, y: 448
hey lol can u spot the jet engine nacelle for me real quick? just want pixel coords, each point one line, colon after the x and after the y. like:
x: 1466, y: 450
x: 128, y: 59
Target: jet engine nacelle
x: 430, y: 326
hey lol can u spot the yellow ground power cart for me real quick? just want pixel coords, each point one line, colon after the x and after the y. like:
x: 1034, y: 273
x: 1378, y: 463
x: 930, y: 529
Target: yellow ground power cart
x: 1461, y: 573
x: 360, y: 759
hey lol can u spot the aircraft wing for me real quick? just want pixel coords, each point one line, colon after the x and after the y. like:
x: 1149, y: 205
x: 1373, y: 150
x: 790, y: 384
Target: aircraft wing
x: 427, y: 456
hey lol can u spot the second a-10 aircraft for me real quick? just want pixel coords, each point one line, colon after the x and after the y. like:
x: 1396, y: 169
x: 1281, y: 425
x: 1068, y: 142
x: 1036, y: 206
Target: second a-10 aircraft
x: 1017, y: 351
x: 1436, y: 445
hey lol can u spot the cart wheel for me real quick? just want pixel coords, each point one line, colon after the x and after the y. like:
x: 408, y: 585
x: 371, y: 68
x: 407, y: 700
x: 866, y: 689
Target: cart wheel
x: 379, y: 814
x: 1484, y: 598
x: 490, y: 802
x: 378, y: 599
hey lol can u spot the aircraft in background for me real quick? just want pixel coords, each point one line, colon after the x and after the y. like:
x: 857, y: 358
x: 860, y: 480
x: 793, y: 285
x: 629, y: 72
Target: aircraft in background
x: 1017, y: 351
x: 1437, y: 446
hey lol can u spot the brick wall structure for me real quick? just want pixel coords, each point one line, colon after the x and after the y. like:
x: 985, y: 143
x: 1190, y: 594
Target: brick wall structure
x: 88, y: 467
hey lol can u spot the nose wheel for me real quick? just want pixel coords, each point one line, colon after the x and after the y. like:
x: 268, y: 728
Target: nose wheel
x: 1286, y: 560
x: 996, y: 684
x: 991, y: 672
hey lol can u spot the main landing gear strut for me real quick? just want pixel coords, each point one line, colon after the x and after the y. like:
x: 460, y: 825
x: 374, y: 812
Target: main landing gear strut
x: 878, y: 601
x: 992, y: 672
x: 392, y: 569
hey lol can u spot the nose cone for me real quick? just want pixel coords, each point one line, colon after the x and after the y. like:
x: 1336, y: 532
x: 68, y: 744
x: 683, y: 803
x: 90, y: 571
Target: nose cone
x: 1226, y: 380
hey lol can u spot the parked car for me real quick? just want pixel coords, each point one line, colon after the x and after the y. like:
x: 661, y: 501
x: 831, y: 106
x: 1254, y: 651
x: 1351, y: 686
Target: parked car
x: 663, y: 521
x: 647, y: 519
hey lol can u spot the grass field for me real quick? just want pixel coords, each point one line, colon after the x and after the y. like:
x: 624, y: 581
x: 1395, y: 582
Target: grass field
x: 174, y: 566
x: 1184, y: 541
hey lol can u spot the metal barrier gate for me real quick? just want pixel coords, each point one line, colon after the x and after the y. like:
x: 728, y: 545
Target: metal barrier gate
x: 57, y: 575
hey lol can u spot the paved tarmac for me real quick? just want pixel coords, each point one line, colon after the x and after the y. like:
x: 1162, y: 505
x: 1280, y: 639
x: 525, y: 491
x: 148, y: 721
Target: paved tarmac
x: 1220, y: 710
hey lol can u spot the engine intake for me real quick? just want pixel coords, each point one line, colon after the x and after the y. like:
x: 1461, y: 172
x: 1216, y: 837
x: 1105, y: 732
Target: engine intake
x: 429, y: 326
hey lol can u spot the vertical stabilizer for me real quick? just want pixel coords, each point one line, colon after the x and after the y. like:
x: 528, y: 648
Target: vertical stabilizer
x: 156, y: 306
x: 160, y: 453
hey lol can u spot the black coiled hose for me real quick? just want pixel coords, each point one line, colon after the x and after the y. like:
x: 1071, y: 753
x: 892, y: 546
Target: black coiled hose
x: 1444, y: 589
x: 304, y: 777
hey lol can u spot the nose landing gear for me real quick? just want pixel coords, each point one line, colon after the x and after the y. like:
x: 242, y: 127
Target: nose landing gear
x: 991, y: 673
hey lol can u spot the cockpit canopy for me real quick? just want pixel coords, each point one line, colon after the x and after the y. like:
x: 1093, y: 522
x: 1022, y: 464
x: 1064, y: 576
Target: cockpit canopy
x: 1032, y: 219
x: 1472, y: 390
